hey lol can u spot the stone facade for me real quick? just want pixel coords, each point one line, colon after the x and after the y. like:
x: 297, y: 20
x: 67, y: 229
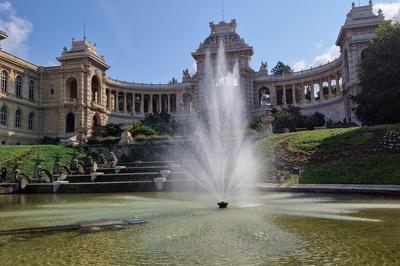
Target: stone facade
x: 58, y: 101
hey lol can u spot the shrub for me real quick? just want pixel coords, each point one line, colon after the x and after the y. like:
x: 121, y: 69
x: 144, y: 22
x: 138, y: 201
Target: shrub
x: 112, y: 130
x: 143, y: 130
x: 109, y: 140
x: 140, y: 138
x: 255, y: 123
x: 157, y: 137
x: 318, y: 119
x: 50, y: 141
x: 161, y: 123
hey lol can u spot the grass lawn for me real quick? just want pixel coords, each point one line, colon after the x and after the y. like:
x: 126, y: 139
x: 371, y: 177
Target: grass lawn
x: 370, y: 169
x: 25, y: 154
x: 358, y: 165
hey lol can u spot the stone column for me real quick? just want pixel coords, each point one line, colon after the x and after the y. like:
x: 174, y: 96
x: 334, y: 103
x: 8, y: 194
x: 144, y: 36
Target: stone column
x: 337, y: 83
x: 142, y: 103
x: 169, y: 103
x: 330, y: 86
x: 151, y: 104
x: 133, y: 111
x: 312, y: 92
x: 321, y: 89
x: 109, y: 99
x: 117, y: 101
x: 273, y: 96
x: 294, y: 102
x: 159, y: 103
x: 302, y: 92
x: 125, y: 104
x: 284, y: 96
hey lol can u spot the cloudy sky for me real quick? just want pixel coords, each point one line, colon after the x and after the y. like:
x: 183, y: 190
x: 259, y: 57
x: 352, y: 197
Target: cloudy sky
x: 151, y: 40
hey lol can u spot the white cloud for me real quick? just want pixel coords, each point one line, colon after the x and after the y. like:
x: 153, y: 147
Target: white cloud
x: 51, y: 63
x: 17, y: 28
x: 318, y: 46
x: 299, y: 65
x: 194, y: 68
x: 329, y: 55
x: 390, y: 10
x: 5, y: 6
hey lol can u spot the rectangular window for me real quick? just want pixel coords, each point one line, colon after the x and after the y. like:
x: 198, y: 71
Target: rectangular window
x: 3, y: 115
x: 30, y: 121
x: 18, y: 119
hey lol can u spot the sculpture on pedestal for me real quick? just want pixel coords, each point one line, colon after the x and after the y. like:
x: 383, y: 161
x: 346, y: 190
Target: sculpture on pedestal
x: 126, y: 137
x: 267, y: 120
x: 75, y: 167
x: 41, y: 175
x: 90, y: 165
x: 17, y: 177
x: 60, y: 171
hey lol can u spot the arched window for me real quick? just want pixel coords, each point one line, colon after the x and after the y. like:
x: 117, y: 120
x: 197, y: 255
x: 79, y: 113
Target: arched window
x: 95, y: 89
x: 4, y: 81
x: 3, y: 116
x: 95, y: 121
x: 70, y: 123
x: 31, y: 90
x: 18, y: 118
x: 264, y: 97
x: 18, y: 86
x: 30, y: 120
x: 72, y: 88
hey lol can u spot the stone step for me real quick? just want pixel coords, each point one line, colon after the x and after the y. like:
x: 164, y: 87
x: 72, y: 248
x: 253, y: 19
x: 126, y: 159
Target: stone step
x: 140, y: 169
x: 109, y: 187
x: 123, y: 177
x: 149, y: 163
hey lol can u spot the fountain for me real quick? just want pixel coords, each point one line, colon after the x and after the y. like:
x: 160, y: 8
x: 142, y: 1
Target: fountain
x: 219, y: 157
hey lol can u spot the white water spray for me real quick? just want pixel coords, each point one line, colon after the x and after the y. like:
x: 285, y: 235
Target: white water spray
x: 220, y: 158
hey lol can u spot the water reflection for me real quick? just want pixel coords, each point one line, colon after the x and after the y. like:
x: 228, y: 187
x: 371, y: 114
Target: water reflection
x: 187, y: 229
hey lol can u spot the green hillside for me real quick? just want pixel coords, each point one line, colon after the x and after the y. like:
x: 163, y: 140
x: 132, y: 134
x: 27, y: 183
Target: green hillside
x: 25, y: 154
x: 367, y: 155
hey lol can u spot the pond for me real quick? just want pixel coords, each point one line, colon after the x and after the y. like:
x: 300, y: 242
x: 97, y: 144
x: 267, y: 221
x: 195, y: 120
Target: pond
x: 187, y: 229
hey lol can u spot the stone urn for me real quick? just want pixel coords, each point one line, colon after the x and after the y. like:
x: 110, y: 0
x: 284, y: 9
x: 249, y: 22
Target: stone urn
x: 267, y: 120
x: 159, y: 181
x: 126, y: 137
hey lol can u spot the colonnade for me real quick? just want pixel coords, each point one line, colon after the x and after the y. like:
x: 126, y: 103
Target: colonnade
x: 141, y: 103
x: 304, y: 91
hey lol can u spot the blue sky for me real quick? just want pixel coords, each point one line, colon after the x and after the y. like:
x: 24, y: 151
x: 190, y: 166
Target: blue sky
x: 152, y: 40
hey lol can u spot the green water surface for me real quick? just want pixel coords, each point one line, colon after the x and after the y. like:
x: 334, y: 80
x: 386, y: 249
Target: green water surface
x: 188, y: 229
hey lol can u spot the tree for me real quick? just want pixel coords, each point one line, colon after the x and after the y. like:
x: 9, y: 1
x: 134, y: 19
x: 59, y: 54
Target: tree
x: 378, y: 103
x: 281, y: 68
x: 173, y: 81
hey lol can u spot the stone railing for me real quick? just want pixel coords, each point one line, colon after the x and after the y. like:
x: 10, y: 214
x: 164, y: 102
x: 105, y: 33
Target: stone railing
x: 307, y: 72
x: 70, y: 101
x: 135, y: 85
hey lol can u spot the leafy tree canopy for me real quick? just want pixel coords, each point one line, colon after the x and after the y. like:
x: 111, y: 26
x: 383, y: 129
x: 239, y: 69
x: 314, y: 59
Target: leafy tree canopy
x: 379, y: 101
x: 281, y: 68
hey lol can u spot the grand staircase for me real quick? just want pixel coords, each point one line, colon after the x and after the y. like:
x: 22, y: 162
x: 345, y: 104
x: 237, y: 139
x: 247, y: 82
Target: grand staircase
x: 128, y: 177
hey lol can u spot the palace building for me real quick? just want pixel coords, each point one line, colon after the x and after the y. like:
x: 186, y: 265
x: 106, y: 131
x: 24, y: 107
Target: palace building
x: 38, y: 101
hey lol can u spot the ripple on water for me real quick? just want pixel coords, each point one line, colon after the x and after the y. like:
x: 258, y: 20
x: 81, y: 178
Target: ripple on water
x: 271, y: 228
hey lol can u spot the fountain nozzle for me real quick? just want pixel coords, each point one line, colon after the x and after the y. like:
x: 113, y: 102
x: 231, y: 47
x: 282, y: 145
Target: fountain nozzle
x: 222, y: 204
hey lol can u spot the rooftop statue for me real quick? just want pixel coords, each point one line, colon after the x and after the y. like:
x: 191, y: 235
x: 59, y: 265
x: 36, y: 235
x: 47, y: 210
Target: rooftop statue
x: 264, y: 67
x: 186, y: 74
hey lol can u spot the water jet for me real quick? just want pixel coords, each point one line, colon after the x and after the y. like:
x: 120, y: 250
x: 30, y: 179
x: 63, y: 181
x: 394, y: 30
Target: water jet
x: 222, y: 204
